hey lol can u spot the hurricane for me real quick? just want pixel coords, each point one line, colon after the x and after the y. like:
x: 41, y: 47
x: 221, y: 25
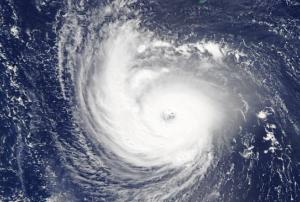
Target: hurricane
x: 162, y: 101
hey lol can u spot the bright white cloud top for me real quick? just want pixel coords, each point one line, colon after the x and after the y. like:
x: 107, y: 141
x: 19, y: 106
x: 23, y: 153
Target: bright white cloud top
x: 151, y: 114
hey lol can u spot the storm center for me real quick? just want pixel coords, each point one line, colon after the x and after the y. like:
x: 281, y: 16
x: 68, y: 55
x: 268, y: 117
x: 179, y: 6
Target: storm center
x: 168, y: 115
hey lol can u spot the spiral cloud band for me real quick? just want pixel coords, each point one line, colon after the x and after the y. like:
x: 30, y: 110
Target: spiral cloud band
x: 154, y: 107
x: 151, y: 114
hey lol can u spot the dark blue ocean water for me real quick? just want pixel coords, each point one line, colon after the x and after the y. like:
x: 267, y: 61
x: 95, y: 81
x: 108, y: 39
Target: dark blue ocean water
x: 36, y: 120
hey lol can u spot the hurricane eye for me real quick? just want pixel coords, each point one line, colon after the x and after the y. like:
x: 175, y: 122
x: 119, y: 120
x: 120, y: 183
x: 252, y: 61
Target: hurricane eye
x: 168, y: 115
